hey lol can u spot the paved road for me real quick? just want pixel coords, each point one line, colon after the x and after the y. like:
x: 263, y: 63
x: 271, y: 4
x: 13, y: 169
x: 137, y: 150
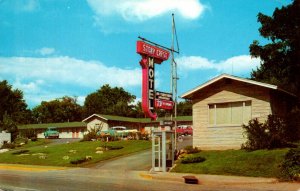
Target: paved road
x: 98, y: 179
x: 135, y: 162
x: 186, y: 141
x: 124, y: 173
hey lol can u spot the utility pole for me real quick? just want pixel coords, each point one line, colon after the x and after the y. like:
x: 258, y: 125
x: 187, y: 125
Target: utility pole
x: 174, y: 77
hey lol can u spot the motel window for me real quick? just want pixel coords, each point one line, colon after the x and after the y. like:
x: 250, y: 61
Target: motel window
x: 235, y: 113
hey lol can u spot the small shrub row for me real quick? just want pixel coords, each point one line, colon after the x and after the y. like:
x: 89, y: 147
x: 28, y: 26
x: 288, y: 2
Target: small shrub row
x: 192, y: 159
x: 191, y: 149
x: 114, y: 147
x: 81, y: 160
x: 20, y: 152
x: 8, y: 146
x: 21, y: 140
x: 290, y: 167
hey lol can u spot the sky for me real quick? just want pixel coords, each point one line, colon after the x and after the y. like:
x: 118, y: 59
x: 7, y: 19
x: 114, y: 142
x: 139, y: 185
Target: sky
x: 55, y: 48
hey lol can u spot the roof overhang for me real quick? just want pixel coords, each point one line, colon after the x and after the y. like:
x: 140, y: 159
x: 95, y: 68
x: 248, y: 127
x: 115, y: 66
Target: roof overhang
x: 94, y: 115
x: 189, y: 94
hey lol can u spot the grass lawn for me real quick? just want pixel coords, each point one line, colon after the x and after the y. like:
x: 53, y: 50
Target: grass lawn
x: 260, y: 163
x: 60, y: 155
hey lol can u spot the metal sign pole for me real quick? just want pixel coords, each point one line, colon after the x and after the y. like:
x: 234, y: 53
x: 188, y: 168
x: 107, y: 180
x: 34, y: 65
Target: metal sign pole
x: 174, y: 77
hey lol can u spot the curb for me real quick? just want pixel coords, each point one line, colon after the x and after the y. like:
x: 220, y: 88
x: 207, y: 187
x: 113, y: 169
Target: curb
x: 205, y: 179
x: 32, y: 168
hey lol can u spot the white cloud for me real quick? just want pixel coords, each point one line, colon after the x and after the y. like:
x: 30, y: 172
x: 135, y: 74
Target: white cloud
x: 138, y: 11
x: 49, y: 78
x: 23, y: 5
x: 236, y: 65
x: 30, y: 5
x: 45, y: 51
x: 69, y: 70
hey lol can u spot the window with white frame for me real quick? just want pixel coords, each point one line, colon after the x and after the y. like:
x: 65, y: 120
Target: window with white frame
x: 234, y: 113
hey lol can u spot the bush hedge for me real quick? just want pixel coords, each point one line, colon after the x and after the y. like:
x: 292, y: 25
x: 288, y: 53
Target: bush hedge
x: 269, y: 135
x: 192, y: 159
x: 290, y: 167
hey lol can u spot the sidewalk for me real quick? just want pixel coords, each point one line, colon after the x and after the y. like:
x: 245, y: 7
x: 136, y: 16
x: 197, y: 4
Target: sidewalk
x: 228, y: 181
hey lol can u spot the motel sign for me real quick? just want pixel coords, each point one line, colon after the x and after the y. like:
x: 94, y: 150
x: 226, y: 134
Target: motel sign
x: 152, y: 55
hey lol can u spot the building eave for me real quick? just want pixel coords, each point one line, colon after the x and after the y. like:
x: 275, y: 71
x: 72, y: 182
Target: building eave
x: 94, y: 115
x: 190, y: 93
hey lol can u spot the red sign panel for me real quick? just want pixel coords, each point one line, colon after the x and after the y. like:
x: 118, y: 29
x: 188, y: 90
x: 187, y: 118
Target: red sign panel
x: 152, y: 51
x: 164, y: 104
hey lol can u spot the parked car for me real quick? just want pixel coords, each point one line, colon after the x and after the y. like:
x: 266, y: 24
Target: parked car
x: 184, y: 130
x: 51, y: 132
x: 119, y: 131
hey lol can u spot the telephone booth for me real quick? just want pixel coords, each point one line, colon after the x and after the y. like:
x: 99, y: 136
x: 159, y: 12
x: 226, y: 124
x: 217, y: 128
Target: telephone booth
x: 163, y: 149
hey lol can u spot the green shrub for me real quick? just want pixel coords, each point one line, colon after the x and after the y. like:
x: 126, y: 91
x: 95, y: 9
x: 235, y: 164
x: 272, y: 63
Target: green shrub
x: 191, y: 150
x: 29, y: 134
x: 192, y: 159
x: 81, y: 160
x: 293, y: 125
x: 20, y: 140
x: 8, y: 146
x: 93, y: 133
x: 269, y: 135
x: 290, y: 167
x: 114, y: 147
x: 20, y: 152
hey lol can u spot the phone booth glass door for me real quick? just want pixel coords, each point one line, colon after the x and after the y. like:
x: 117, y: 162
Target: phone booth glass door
x: 162, y: 150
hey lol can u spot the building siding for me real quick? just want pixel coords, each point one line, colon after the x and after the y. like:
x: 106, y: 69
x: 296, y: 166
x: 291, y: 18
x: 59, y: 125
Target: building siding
x: 226, y: 137
x: 92, y: 124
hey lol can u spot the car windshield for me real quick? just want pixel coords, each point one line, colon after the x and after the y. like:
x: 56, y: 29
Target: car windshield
x: 119, y: 128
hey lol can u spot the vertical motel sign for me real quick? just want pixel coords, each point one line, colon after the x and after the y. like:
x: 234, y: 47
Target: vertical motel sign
x: 151, y: 55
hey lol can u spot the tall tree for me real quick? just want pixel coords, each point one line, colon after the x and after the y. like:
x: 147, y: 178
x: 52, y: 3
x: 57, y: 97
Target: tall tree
x: 107, y: 100
x: 281, y: 56
x: 13, y: 104
x: 184, y: 108
x: 7, y: 124
x: 64, y: 109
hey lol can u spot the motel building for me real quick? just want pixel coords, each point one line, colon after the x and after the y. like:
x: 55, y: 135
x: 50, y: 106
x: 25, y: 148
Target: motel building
x: 223, y: 104
x: 79, y: 129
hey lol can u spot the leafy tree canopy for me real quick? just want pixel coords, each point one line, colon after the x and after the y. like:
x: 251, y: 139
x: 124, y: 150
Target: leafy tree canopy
x: 9, y: 126
x: 110, y: 101
x: 184, y: 108
x: 63, y: 109
x: 13, y: 104
x: 281, y: 56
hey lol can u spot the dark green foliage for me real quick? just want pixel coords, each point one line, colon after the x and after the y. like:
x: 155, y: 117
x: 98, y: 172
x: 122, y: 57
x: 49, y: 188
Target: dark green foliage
x: 192, y: 159
x: 290, y: 168
x: 110, y: 101
x: 191, y: 149
x: 111, y: 147
x: 272, y: 134
x: 9, y: 126
x: 64, y: 109
x: 93, y: 134
x: 293, y: 125
x: 8, y: 146
x: 80, y: 160
x: 184, y: 108
x: 281, y: 56
x: 12, y: 104
x: 20, y: 140
x: 29, y: 134
x: 20, y: 152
